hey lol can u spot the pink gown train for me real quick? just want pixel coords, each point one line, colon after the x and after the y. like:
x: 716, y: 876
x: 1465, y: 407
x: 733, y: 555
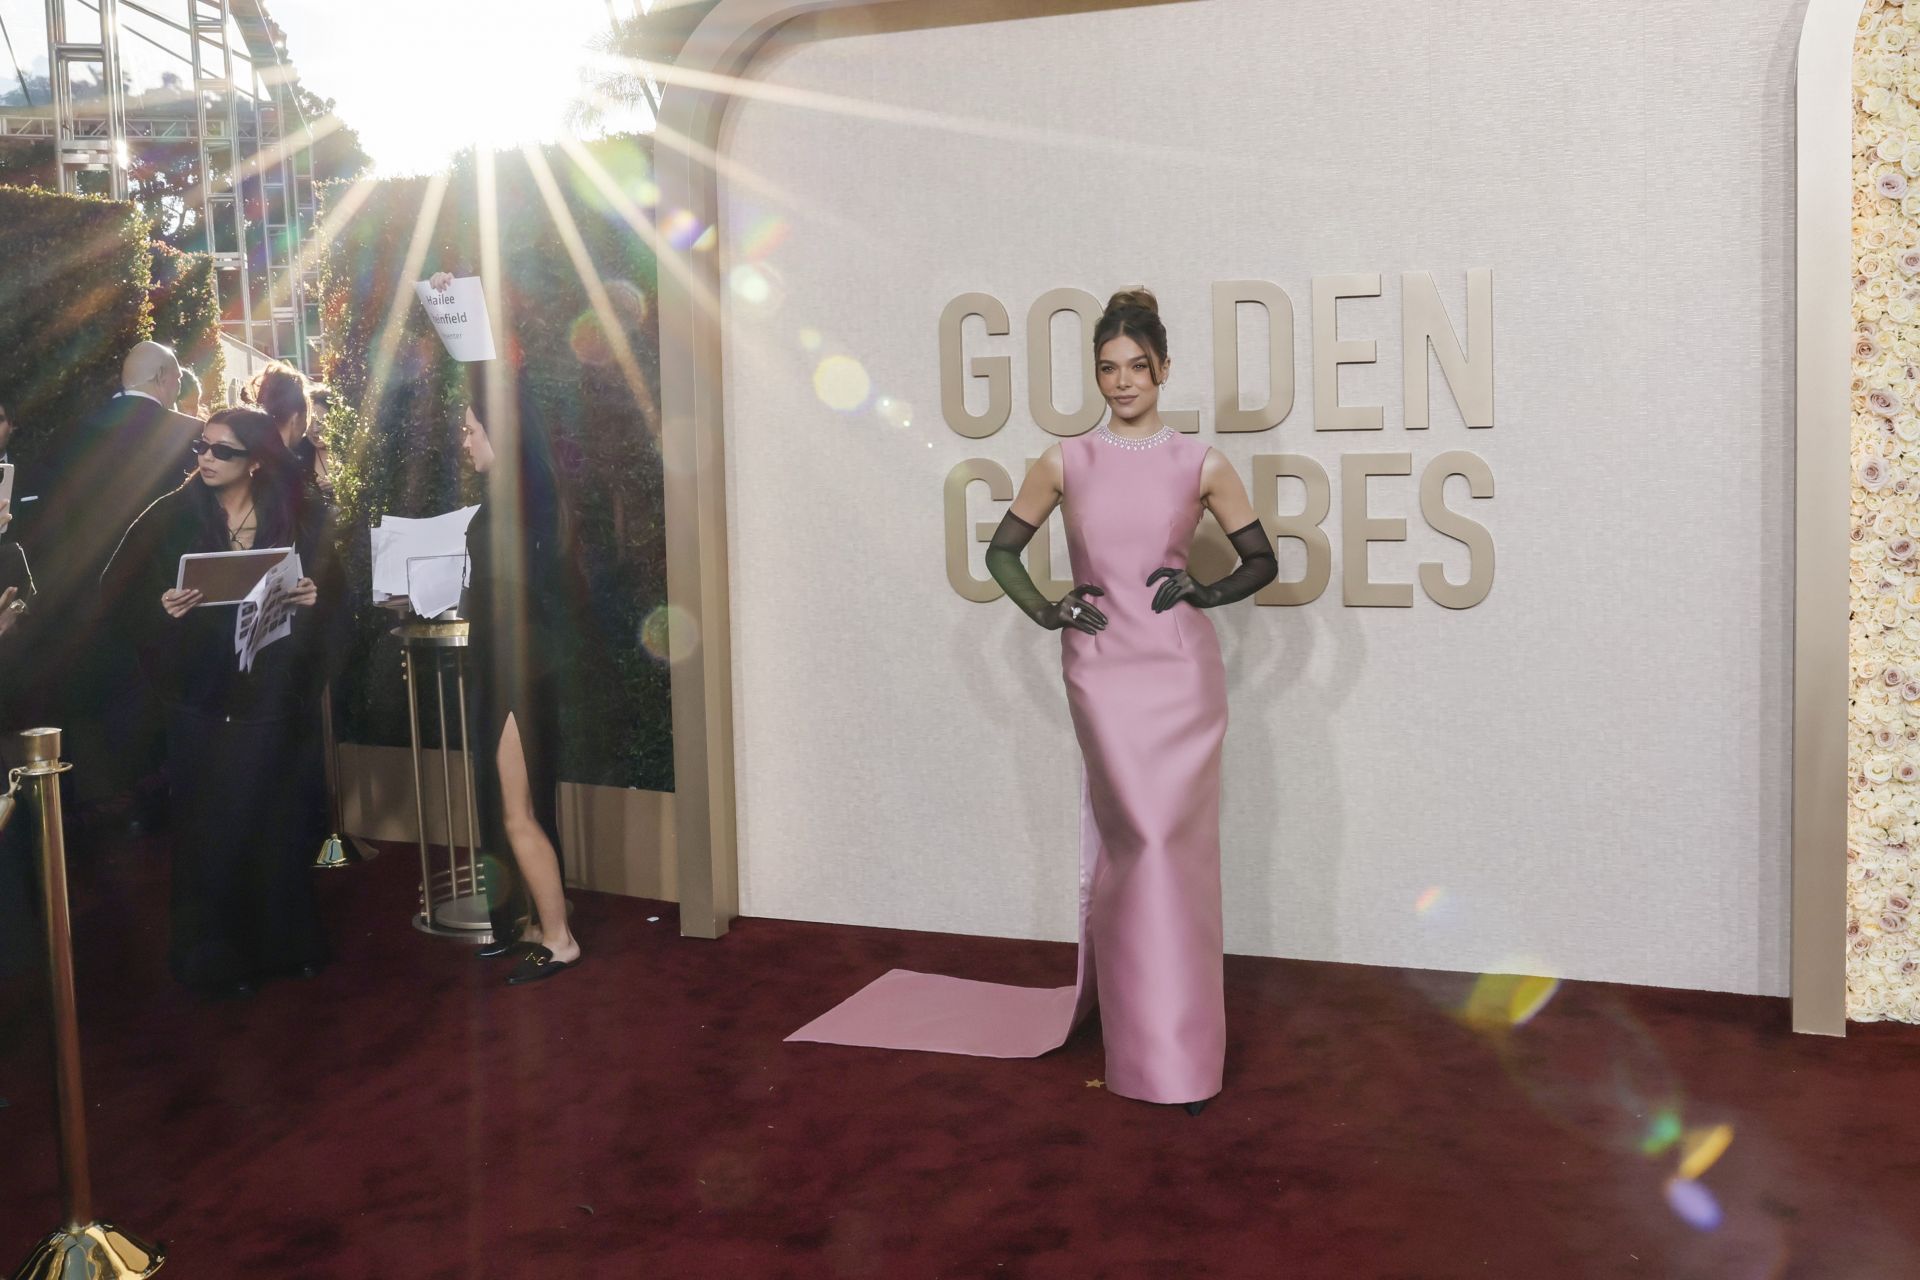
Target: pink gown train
x: 1148, y: 698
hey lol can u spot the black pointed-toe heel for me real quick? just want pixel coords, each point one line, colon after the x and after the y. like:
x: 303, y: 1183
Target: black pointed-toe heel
x: 499, y: 947
x: 1195, y: 1108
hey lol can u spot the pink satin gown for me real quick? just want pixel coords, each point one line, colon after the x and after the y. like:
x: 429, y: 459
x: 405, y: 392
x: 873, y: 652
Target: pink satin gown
x: 1148, y: 697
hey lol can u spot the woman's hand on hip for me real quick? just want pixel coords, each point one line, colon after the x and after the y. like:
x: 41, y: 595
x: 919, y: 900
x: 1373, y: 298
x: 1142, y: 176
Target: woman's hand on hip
x: 1177, y: 585
x: 1075, y: 610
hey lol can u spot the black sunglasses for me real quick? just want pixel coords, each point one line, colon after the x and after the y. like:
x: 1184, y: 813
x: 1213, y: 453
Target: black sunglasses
x: 224, y: 452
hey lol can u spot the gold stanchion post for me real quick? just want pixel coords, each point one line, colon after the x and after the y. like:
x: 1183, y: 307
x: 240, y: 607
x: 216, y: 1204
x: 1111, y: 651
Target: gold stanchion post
x: 336, y: 850
x: 82, y: 1246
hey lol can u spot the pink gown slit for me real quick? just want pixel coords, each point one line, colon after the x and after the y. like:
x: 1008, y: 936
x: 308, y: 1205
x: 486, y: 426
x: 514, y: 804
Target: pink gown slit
x: 1148, y: 698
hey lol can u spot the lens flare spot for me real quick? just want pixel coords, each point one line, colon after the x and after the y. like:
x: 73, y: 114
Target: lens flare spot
x: 1693, y: 1204
x: 1428, y: 900
x: 669, y: 632
x: 1701, y: 1148
x: 1661, y: 1134
x: 896, y: 413
x: 757, y: 287
x: 708, y: 238
x: 765, y: 235
x: 841, y: 382
x: 646, y: 194
x: 587, y: 339
x: 750, y: 284
x: 629, y: 301
x: 681, y: 229
x: 1507, y: 1000
x: 810, y: 339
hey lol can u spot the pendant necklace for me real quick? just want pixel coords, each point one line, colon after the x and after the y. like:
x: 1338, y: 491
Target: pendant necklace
x: 246, y: 527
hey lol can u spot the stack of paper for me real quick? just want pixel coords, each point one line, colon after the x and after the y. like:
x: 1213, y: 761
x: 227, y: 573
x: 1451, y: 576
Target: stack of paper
x: 266, y: 615
x: 432, y: 587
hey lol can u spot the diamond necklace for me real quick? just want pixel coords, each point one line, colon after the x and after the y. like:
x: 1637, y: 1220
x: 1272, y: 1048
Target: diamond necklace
x: 1164, y: 433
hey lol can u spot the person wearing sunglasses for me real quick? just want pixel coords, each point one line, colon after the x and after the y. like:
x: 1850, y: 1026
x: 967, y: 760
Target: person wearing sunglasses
x: 243, y: 757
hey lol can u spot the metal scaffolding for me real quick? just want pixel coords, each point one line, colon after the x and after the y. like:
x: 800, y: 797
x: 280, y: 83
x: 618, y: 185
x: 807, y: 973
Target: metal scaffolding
x: 252, y: 184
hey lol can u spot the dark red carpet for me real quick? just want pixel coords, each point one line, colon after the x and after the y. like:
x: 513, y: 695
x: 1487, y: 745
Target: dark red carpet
x: 404, y: 1116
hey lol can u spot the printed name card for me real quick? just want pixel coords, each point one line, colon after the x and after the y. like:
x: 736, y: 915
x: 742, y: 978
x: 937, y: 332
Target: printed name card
x: 459, y: 316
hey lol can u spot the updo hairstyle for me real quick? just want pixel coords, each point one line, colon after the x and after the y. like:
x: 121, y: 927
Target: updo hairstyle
x: 1135, y: 313
x: 279, y: 391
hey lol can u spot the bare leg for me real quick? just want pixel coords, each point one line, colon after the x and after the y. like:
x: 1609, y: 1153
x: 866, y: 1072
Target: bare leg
x: 533, y: 852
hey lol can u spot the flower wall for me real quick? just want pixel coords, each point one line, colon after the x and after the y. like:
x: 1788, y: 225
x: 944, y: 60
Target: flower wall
x: 1883, y: 832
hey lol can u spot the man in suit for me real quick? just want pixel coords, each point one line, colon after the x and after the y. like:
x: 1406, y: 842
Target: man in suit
x: 108, y: 469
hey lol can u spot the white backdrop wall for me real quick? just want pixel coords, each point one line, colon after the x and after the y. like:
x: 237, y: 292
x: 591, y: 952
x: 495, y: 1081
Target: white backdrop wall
x: 1586, y: 775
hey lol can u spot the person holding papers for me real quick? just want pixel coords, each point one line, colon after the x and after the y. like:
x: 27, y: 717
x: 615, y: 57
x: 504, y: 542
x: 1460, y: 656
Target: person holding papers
x: 247, y: 779
x: 516, y: 606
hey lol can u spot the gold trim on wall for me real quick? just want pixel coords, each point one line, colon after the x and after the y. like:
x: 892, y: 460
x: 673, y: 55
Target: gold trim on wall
x: 1823, y: 434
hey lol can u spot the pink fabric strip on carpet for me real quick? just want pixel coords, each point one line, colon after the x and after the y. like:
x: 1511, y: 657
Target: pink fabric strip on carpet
x: 908, y: 1010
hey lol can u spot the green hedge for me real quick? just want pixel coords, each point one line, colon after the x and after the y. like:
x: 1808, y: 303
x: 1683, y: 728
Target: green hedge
x: 398, y: 446
x: 74, y: 274
x: 186, y: 317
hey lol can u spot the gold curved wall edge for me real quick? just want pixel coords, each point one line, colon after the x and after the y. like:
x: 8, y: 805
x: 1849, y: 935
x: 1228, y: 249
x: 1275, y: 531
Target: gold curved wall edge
x: 693, y: 449
x: 1822, y: 490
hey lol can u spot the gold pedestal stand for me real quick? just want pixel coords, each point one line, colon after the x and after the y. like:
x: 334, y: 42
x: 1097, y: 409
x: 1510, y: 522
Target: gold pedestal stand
x: 453, y: 898
x: 83, y: 1249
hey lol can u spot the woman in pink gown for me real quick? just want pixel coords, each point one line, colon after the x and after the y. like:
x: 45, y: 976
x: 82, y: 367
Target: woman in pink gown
x: 1148, y: 695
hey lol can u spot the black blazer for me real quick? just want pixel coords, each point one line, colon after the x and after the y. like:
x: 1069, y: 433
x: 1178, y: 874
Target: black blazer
x: 107, y: 471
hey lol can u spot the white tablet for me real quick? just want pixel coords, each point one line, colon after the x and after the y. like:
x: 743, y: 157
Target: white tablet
x: 225, y: 577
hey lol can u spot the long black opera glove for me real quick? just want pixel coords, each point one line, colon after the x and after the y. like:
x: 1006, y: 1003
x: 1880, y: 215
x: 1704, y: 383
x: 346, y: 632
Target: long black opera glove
x: 1256, y: 569
x: 1003, y: 562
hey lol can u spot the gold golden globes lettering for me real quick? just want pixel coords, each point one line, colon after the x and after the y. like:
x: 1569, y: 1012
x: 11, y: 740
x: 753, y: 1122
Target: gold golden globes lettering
x: 1425, y: 329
